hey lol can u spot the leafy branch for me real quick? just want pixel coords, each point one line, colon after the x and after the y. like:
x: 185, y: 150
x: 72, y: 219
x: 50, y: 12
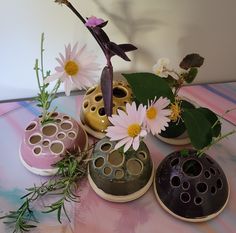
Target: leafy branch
x: 44, y: 97
x: 72, y: 168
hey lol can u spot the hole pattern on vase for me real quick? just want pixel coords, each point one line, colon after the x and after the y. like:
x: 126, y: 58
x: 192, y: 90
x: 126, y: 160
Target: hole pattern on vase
x: 110, y: 169
x: 93, y: 114
x: 53, y: 137
x: 189, y: 182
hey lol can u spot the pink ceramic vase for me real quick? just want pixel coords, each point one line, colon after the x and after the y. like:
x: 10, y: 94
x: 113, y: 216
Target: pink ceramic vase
x: 44, y: 145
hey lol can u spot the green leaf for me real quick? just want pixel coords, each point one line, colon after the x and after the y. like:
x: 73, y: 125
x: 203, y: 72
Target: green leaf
x: 198, y: 128
x: 171, y: 81
x: 147, y: 86
x: 191, y: 75
x: 213, y: 119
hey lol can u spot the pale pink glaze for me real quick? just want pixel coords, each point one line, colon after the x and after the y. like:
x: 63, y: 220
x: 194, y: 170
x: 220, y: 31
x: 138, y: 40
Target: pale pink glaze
x: 45, y: 158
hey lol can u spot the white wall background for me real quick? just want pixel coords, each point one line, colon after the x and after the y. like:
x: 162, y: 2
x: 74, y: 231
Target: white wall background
x: 159, y: 28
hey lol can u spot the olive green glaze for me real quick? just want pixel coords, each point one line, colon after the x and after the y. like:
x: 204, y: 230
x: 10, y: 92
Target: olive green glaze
x: 107, y: 167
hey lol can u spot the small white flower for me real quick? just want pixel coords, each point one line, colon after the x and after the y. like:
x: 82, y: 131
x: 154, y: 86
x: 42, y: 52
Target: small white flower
x: 160, y: 67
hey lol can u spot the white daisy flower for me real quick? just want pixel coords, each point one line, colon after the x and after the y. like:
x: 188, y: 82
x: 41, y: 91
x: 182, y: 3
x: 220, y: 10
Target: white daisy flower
x: 157, y: 116
x: 127, y: 127
x: 76, y: 69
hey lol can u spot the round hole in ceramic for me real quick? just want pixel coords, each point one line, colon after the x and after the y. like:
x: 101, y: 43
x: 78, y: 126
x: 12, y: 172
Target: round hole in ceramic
x: 119, y: 173
x: 192, y: 168
x: 101, y: 111
x: 54, y: 114
x: 198, y: 200
x: 46, y: 143
x: 201, y: 187
x: 71, y: 135
x: 90, y: 91
x: 134, y: 166
x: 66, y: 125
x: 185, y: 197
x: 85, y: 104
x: 213, y: 190
x: 61, y: 136
x: 49, y: 130
x: 105, y: 147
x: 35, y: 139
x: 185, y: 185
x: 119, y: 92
x: 58, y: 120
x: 93, y: 108
x: 175, y: 181
x: 99, y: 162
x: 57, y: 147
x: 107, y: 171
x: 219, y: 183
x: 207, y: 174
x: 65, y: 117
x: 142, y: 155
x: 37, y: 150
x: 98, y: 98
x: 116, y: 158
x: 31, y: 126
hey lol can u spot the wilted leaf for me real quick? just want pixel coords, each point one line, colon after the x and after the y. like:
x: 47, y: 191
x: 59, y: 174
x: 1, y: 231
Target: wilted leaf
x: 191, y: 60
x: 147, y: 86
x: 198, y: 128
x: 106, y: 86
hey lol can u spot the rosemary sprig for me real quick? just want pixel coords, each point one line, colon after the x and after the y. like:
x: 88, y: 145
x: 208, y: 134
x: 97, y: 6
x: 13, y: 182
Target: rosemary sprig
x: 72, y: 168
x: 44, y: 97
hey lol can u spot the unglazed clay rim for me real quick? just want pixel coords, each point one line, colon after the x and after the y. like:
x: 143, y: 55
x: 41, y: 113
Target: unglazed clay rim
x: 52, y: 171
x: 125, y: 198
x: 94, y: 133
x: 175, y: 141
x: 195, y: 220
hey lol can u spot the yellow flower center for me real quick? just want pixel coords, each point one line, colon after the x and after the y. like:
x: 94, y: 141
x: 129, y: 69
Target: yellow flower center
x: 71, y: 68
x: 134, y: 130
x: 151, y: 113
x: 175, y: 111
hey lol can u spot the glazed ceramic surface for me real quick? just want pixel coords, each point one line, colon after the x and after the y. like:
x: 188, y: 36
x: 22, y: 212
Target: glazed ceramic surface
x: 92, y: 113
x: 43, y: 146
x: 191, y: 188
x: 120, y: 174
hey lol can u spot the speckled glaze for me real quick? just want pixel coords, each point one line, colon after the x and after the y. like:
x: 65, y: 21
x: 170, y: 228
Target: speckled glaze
x: 92, y: 113
x: 120, y: 175
x: 191, y: 188
x: 43, y: 146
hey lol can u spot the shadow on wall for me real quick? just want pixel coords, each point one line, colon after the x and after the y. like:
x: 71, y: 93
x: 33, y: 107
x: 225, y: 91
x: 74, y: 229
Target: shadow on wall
x: 124, y: 16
